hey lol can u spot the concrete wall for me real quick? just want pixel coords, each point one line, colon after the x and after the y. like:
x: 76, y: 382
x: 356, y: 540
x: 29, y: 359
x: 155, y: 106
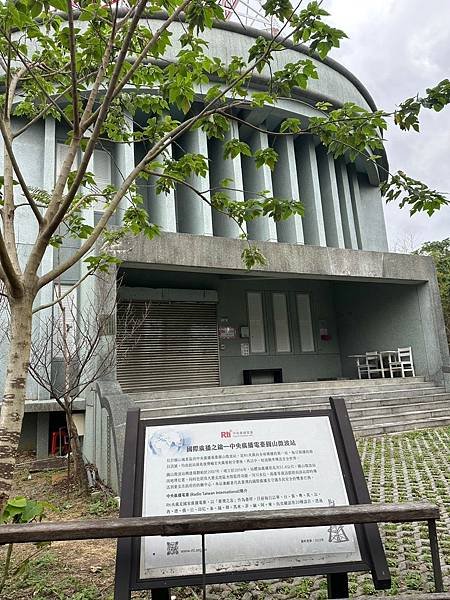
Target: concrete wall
x: 382, y: 300
x: 324, y: 362
x: 380, y: 317
x: 358, y: 317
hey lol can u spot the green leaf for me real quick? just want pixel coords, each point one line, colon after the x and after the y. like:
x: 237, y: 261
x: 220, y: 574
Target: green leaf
x: 291, y: 126
x: 58, y: 4
x: 252, y: 257
x: 267, y: 156
x: 234, y: 147
x: 18, y: 502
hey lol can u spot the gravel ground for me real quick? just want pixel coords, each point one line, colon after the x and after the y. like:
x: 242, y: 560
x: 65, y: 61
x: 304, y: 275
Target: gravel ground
x: 399, y: 468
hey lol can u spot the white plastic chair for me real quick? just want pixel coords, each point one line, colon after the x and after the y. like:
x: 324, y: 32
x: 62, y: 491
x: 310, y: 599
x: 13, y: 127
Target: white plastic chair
x: 402, y: 363
x: 369, y: 365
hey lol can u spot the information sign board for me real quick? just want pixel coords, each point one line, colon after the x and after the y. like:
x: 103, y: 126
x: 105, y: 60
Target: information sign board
x: 228, y: 466
x: 222, y: 464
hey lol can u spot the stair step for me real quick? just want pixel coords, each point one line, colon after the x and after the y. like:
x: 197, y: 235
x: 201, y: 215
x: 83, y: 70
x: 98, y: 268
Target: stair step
x: 396, y: 427
x: 375, y: 406
x: 357, y: 416
x: 280, y: 387
x: 264, y: 404
x: 351, y: 394
x: 431, y: 402
x: 424, y: 415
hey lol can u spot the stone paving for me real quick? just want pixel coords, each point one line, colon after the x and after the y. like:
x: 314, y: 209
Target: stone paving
x: 399, y: 468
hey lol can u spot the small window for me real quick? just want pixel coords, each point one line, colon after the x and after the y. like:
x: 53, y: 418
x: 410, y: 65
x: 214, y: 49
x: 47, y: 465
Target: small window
x: 281, y: 322
x: 305, y: 323
x: 256, y: 322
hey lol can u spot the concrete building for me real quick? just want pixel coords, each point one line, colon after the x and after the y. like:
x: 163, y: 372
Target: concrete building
x: 330, y: 288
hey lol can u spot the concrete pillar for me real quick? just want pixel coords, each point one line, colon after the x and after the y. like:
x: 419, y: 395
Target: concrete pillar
x: 219, y: 169
x: 194, y: 214
x: 256, y: 181
x: 330, y: 198
x: 308, y: 181
x: 161, y: 207
x: 345, y: 201
x: 124, y: 165
x: 285, y: 185
x: 356, y: 200
x: 42, y: 434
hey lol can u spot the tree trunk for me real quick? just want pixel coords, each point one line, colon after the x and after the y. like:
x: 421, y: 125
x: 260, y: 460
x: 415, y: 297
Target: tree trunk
x: 75, y: 447
x: 13, y: 405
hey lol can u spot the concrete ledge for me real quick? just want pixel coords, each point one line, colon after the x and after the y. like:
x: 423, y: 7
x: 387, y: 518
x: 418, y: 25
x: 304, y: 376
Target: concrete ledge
x: 39, y: 406
x: 175, y: 251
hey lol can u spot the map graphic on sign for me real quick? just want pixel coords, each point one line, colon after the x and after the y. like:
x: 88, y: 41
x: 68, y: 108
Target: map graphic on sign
x: 167, y: 442
x: 252, y: 465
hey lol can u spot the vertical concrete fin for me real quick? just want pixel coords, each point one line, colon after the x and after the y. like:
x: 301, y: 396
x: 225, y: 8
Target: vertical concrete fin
x: 330, y: 198
x: 345, y: 201
x: 194, y: 214
x: 161, y: 207
x: 49, y: 154
x: 285, y: 186
x: 124, y: 165
x: 309, y: 188
x: 371, y: 216
x: 219, y: 170
x: 256, y: 181
x: 356, y: 201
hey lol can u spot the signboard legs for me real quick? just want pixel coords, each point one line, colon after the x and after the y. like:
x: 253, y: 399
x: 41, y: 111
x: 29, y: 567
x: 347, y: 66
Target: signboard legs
x: 161, y: 594
x: 337, y: 585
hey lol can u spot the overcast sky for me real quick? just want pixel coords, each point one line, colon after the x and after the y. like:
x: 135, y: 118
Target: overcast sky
x: 398, y: 48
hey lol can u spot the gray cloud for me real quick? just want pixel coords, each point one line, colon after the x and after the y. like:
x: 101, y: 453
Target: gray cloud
x: 398, y: 48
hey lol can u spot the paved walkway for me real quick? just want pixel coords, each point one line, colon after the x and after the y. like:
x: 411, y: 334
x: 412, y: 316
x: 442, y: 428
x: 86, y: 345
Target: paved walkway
x: 399, y: 468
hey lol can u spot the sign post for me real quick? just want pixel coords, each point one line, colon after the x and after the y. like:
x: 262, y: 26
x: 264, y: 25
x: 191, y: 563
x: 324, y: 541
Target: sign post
x: 233, y: 463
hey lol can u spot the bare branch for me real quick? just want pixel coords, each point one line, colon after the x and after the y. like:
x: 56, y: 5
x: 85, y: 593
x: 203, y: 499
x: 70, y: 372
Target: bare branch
x: 69, y: 291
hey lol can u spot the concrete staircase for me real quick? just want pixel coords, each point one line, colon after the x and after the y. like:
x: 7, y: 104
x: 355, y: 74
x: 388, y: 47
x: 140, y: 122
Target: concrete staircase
x: 375, y: 406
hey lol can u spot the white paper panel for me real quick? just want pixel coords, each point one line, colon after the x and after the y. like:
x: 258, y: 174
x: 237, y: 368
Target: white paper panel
x: 281, y: 321
x: 305, y: 323
x: 256, y: 322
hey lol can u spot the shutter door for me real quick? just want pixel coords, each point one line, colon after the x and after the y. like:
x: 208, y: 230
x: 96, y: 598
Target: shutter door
x: 173, y: 345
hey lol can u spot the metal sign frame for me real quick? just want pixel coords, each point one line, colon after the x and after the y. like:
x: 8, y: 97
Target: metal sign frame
x: 373, y: 558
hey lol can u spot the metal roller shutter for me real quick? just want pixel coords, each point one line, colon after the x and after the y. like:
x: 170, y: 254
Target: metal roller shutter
x: 174, y: 346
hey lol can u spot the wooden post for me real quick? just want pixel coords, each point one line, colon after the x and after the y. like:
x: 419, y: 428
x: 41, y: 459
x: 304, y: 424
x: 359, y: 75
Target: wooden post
x: 434, y: 547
